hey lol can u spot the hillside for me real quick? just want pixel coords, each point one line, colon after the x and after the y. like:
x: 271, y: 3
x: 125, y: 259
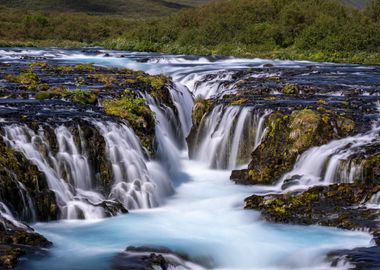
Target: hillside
x: 308, y: 29
x: 357, y: 3
x: 129, y: 8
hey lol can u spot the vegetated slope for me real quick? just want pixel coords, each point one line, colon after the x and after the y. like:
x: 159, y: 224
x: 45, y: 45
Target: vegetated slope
x: 357, y: 3
x: 311, y: 29
x: 130, y: 8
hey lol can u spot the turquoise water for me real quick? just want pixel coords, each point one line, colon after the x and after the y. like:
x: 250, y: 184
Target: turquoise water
x: 204, y: 219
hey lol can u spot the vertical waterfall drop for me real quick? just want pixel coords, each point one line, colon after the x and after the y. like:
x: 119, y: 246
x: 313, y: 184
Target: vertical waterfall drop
x: 133, y: 185
x: 68, y: 170
x: 227, y: 136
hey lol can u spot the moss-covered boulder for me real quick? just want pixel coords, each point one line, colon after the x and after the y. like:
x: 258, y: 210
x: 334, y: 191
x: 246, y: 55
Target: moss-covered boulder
x: 289, y: 135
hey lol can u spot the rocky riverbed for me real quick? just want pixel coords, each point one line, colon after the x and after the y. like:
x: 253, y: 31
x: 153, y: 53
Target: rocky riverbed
x: 85, y: 141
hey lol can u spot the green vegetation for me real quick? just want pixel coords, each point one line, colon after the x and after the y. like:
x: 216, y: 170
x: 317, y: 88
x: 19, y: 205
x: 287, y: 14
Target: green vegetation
x: 290, y: 89
x: 127, y: 8
x: 201, y: 107
x: 84, y: 96
x: 310, y: 29
x: 43, y: 95
x: 134, y: 109
x: 285, y: 29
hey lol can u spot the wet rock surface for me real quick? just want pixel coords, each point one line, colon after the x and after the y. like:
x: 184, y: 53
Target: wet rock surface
x: 153, y: 257
x: 18, y: 240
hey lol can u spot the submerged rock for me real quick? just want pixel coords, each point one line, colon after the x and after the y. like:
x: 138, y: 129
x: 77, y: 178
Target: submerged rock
x: 153, y: 258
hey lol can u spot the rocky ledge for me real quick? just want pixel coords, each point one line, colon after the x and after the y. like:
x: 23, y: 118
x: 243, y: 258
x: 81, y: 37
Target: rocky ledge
x: 155, y: 257
x: 17, y: 240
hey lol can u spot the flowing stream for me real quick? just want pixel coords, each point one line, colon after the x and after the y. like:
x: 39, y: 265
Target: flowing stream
x: 196, y: 208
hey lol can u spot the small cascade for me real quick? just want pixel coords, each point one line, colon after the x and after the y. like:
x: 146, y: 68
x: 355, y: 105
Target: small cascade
x: 227, y: 136
x: 183, y: 101
x: 133, y: 185
x: 333, y: 162
x: 207, y: 86
x: 7, y: 219
x: 169, y: 133
x: 374, y: 201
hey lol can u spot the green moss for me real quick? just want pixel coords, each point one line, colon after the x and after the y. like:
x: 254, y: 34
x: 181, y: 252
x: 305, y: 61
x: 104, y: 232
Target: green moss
x: 84, y: 96
x: 28, y: 78
x: 290, y: 89
x: 241, y: 101
x: 107, y: 79
x: 201, y: 107
x: 134, y: 109
x: 42, y: 95
x: 84, y: 67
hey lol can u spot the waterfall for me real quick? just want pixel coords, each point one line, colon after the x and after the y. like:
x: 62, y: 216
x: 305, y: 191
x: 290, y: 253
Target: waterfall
x: 208, y: 85
x: 8, y: 220
x: 183, y: 101
x: 227, y: 136
x: 332, y: 162
x: 374, y: 201
x: 135, y: 186
x: 69, y: 174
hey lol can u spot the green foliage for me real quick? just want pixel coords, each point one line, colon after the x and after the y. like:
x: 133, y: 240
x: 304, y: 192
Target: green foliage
x: 306, y: 29
x: 293, y: 29
x: 134, y: 109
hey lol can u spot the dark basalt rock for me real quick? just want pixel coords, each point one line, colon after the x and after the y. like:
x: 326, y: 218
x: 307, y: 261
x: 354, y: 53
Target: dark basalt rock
x: 151, y: 258
x: 17, y: 241
x: 359, y: 258
x: 337, y: 205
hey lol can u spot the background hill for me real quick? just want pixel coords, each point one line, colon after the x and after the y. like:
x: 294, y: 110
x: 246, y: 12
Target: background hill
x: 356, y: 3
x: 322, y: 30
x: 129, y: 8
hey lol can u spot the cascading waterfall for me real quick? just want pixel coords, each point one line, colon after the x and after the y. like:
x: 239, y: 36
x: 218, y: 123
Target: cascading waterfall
x: 207, y: 87
x: 374, y: 201
x: 332, y: 162
x: 227, y: 136
x: 7, y: 219
x: 69, y: 175
x: 133, y: 184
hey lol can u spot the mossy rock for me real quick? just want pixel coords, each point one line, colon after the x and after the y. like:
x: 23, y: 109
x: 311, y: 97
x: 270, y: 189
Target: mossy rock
x: 290, y: 89
x: 42, y: 95
x: 201, y: 108
x: 335, y: 205
x: 289, y: 135
x: 135, y: 110
x: 14, y: 165
x: 84, y: 96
